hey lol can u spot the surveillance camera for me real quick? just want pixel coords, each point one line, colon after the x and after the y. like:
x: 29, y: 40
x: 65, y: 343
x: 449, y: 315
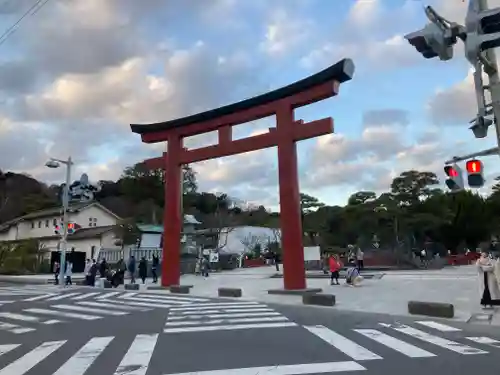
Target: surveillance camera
x: 52, y: 164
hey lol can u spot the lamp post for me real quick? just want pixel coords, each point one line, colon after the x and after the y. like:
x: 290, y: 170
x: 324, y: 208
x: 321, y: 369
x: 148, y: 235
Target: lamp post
x: 56, y: 163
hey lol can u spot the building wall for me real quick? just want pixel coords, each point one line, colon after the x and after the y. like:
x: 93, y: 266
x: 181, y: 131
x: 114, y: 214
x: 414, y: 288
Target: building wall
x: 83, y: 245
x: 9, y: 235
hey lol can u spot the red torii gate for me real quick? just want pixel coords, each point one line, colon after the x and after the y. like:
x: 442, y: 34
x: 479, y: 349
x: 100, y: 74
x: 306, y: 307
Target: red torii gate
x: 280, y: 102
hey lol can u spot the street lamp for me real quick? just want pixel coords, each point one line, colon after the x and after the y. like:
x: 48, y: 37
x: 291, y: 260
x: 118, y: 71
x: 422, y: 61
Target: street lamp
x: 56, y: 163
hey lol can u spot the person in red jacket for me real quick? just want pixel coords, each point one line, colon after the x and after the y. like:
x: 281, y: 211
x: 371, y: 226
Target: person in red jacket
x: 335, y: 266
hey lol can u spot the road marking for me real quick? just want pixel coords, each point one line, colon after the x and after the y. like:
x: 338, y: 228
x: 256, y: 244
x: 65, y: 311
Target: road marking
x: 228, y: 328
x: 38, y: 298
x: 4, y: 302
x: 396, y: 344
x: 128, y: 295
x: 136, y: 360
x: 7, y: 348
x: 52, y: 321
x: 108, y: 295
x: 221, y: 311
x: 224, y: 321
x: 62, y: 296
x: 216, y: 316
x: 144, y: 304
x: 149, y: 300
x: 485, y: 340
x: 308, y: 368
x: 346, y: 346
x: 439, y: 326
x: 174, y: 298
x: 14, y: 328
x: 111, y: 306
x: 83, y: 358
x: 24, y: 318
x: 31, y: 359
x: 86, y: 295
x: 439, y: 341
x: 209, y: 306
x: 63, y: 314
x: 89, y: 309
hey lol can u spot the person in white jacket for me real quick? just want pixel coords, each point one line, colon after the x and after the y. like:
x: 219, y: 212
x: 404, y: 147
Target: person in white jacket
x: 489, y: 275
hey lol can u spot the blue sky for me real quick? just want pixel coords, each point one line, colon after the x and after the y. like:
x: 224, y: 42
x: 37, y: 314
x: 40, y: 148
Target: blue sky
x: 76, y: 74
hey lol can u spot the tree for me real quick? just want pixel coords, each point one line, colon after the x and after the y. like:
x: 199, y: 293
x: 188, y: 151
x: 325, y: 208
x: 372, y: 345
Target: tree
x: 308, y: 203
x: 413, y: 186
x: 361, y: 197
x: 126, y: 232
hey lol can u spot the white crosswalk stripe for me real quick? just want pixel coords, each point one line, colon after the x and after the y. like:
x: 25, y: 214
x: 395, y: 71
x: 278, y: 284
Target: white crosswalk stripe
x: 223, y: 316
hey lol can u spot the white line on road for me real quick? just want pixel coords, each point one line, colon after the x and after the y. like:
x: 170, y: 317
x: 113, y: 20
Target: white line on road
x: 308, y: 368
x: 7, y: 348
x: 38, y: 298
x: 150, y: 300
x: 62, y: 296
x: 83, y: 358
x: 215, y: 316
x: 220, y: 311
x: 485, y: 341
x: 90, y: 310
x: 85, y: 295
x: 143, y: 304
x: 14, y: 328
x: 439, y: 326
x: 14, y: 316
x: 111, y: 306
x: 31, y: 359
x: 396, y: 344
x: 174, y: 298
x: 136, y: 360
x: 346, y: 346
x: 209, y: 306
x: 225, y: 321
x: 62, y: 313
x: 439, y: 341
x: 228, y: 328
x: 52, y: 321
x: 108, y: 295
x: 128, y: 295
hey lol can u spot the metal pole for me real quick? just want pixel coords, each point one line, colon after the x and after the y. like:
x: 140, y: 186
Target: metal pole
x: 494, y: 79
x: 65, y: 200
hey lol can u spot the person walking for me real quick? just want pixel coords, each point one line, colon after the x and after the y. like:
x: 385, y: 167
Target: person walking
x: 56, y: 269
x: 103, y: 269
x: 143, y: 269
x: 68, y: 273
x: 131, y: 269
x: 360, y: 255
x: 204, y: 267
x: 86, y: 271
x: 154, y: 267
x: 489, y: 275
x: 335, y: 265
x: 93, y: 272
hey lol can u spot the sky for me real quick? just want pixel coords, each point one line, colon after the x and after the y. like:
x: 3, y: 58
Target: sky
x: 76, y: 74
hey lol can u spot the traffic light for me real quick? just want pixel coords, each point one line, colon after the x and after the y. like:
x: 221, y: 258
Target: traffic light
x: 57, y: 229
x: 475, y: 177
x: 482, y: 31
x: 455, y: 181
x: 71, y: 228
x: 432, y: 41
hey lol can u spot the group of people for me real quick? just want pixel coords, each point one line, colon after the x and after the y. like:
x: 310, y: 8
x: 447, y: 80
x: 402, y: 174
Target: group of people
x: 68, y: 272
x: 354, y: 267
x: 489, y: 280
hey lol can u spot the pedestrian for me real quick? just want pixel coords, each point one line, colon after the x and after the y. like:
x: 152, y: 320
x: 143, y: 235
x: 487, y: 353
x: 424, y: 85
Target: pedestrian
x: 103, y: 268
x: 353, y: 277
x: 93, y: 272
x: 121, y: 268
x: 68, y: 273
x: 143, y: 269
x: 86, y: 271
x: 56, y: 269
x: 359, y: 258
x: 204, y: 267
x: 277, y: 261
x: 154, y: 267
x: 335, y: 265
x: 131, y: 269
x: 489, y: 278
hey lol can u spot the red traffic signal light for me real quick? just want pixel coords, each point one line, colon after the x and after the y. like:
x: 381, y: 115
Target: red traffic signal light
x: 450, y: 171
x: 474, y: 166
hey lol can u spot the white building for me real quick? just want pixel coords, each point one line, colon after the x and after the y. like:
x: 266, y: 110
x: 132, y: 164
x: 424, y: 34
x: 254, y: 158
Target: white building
x: 94, y: 222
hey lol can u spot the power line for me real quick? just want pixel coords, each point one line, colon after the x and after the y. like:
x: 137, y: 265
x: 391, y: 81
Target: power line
x: 35, y: 8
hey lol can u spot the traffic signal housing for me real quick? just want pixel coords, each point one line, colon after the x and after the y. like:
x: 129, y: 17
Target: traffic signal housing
x: 475, y: 177
x: 432, y: 41
x: 454, y: 181
x: 482, y: 32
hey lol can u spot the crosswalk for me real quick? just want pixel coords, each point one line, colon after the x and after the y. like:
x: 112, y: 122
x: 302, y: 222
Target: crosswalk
x: 85, y: 306
x: 217, y: 316
x: 26, y: 290
x: 134, y: 354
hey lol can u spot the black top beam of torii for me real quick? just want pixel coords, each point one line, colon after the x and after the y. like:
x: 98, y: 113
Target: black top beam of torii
x: 341, y: 72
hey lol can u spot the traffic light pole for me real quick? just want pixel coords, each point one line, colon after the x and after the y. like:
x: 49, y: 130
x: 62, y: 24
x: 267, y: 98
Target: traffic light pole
x: 65, y: 199
x: 494, y: 79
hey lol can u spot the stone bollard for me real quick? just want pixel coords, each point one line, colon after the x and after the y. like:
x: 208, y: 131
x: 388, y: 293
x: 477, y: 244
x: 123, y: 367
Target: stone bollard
x: 435, y: 309
x: 106, y: 284
x: 180, y: 289
x: 230, y: 292
x: 131, y: 286
x: 320, y: 299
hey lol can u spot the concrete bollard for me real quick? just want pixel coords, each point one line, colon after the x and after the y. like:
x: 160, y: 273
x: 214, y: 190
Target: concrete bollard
x: 180, y: 289
x: 131, y: 286
x: 320, y: 299
x: 435, y: 309
x: 106, y: 284
x: 230, y: 292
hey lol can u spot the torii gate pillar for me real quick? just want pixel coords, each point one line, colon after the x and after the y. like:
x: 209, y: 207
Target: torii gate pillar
x: 281, y: 103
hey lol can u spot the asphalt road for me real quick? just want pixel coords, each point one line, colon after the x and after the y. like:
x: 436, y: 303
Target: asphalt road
x: 162, y: 334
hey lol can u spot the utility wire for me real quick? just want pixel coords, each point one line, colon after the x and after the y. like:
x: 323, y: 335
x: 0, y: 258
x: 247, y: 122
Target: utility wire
x: 30, y: 12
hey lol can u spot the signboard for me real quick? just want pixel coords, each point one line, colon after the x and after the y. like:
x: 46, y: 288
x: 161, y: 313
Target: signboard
x: 214, y: 257
x: 312, y: 253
